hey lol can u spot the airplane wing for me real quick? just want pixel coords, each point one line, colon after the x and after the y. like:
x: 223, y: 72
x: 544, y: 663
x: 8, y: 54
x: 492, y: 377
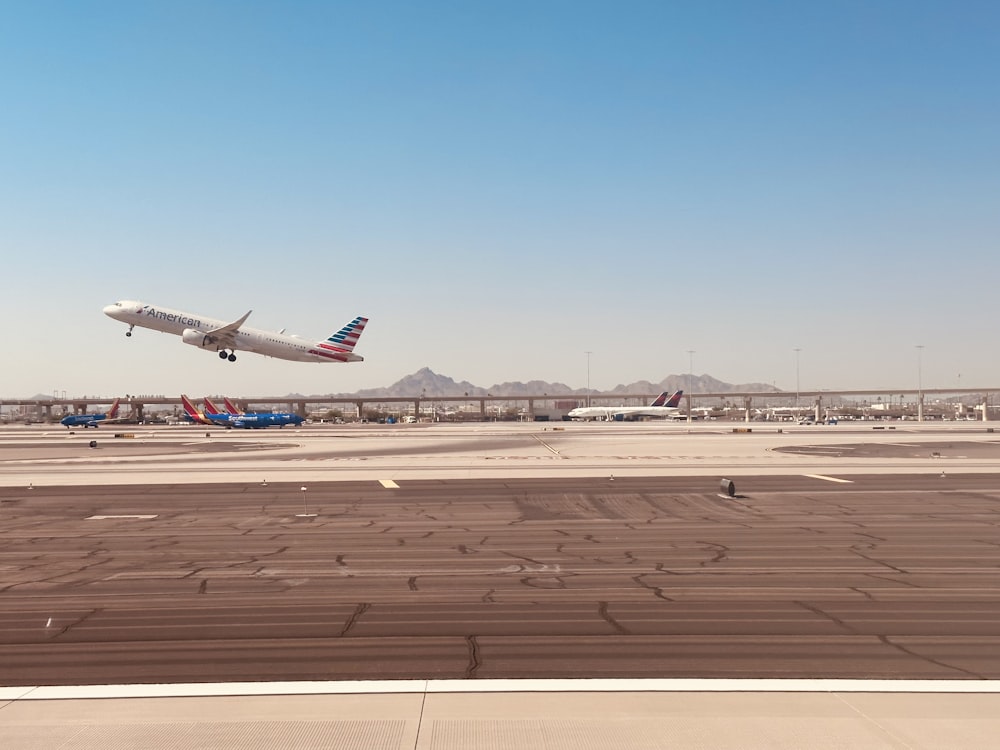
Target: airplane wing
x: 225, y: 337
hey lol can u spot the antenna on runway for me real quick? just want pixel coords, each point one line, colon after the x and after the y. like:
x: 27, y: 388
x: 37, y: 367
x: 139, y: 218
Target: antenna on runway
x: 305, y: 510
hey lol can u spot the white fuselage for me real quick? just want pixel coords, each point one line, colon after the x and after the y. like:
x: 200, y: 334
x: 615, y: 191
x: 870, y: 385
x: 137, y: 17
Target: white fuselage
x: 268, y: 343
x: 610, y: 412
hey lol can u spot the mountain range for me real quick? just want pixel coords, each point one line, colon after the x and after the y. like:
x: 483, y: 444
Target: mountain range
x: 429, y: 384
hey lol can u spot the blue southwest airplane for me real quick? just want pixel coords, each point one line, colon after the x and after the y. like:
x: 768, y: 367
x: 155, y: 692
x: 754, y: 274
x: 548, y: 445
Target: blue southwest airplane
x: 91, y: 420
x: 245, y: 420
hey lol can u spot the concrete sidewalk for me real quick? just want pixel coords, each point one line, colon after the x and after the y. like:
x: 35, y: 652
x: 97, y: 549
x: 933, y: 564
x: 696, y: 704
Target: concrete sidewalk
x: 514, y: 715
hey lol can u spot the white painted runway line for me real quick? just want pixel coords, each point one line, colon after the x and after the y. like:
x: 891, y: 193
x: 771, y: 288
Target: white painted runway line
x: 363, y: 687
x: 829, y: 479
x: 388, y: 484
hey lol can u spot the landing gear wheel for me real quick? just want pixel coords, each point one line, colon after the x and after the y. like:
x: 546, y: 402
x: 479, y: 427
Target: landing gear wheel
x: 232, y: 357
x: 223, y: 354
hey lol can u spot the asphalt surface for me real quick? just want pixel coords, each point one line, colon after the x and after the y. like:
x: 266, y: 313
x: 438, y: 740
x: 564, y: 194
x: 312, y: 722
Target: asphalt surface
x: 874, y: 576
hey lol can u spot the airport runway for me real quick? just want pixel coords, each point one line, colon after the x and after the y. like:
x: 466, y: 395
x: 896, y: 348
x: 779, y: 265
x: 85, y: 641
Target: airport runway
x: 178, y: 562
x: 190, y: 454
x: 858, y: 576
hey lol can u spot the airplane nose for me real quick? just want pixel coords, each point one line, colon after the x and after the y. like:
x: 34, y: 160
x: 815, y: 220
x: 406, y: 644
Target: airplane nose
x: 113, y: 311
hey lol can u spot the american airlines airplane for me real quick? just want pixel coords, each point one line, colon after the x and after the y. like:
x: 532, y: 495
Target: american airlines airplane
x: 228, y: 338
x: 662, y: 406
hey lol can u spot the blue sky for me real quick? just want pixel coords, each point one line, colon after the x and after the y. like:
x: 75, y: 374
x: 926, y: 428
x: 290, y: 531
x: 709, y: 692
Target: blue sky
x: 502, y: 187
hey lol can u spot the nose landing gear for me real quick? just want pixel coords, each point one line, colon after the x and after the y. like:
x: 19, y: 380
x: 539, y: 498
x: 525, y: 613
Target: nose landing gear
x: 129, y: 331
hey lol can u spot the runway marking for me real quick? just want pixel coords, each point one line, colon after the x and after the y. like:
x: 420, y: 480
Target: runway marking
x: 111, y: 518
x: 388, y: 484
x: 829, y: 479
x: 904, y: 445
x: 546, y: 446
x: 360, y: 687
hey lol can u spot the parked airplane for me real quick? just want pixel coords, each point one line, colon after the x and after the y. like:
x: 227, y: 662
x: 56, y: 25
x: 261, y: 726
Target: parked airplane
x: 230, y: 406
x: 663, y: 405
x: 92, y: 420
x: 209, y: 408
x: 191, y: 413
x: 256, y: 420
x: 246, y: 420
x: 227, y: 338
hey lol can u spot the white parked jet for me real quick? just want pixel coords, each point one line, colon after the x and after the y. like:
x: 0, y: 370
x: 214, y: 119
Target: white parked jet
x: 662, y: 406
x: 228, y: 338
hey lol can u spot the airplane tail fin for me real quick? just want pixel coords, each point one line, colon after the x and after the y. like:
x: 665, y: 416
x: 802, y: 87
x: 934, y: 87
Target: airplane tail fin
x: 675, y: 400
x: 190, y: 409
x: 113, y: 411
x: 347, y: 337
x: 660, y: 400
x: 209, y: 407
x: 230, y: 406
x: 340, y: 346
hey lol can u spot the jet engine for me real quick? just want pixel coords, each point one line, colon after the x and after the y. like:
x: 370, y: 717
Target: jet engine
x: 198, y: 338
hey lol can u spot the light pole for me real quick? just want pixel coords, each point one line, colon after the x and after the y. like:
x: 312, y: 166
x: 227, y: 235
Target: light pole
x: 588, y: 376
x: 920, y: 384
x: 691, y: 353
x: 920, y: 349
x: 797, y: 350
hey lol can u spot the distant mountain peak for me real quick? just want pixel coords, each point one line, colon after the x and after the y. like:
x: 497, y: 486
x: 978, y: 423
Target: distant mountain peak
x: 426, y: 383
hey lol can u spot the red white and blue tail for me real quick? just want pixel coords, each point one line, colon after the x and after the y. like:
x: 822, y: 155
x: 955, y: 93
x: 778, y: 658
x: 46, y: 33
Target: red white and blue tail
x: 347, y: 337
x: 675, y: 400
x: 340, y: 346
